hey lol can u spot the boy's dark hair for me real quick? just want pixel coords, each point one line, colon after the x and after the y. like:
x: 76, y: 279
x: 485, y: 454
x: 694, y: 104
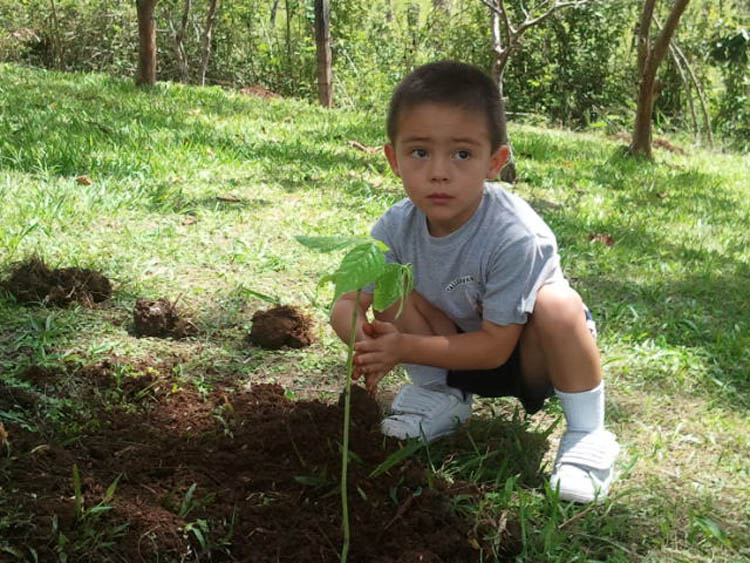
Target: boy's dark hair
x: 451, y: 83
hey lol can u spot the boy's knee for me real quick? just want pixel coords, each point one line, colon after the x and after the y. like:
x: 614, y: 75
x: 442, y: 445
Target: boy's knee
x: 558, y: 308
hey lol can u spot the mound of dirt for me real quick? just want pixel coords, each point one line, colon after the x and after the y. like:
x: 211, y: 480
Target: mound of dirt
x: 159, y: 317
x: 33, y: 282
x: 254, y: 472
x: 279, y: 326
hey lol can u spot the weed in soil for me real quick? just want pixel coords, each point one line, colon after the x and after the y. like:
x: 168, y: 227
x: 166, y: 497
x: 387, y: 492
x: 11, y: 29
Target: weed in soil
x: 237, y: 475
x: 279, y: 326
x: 33, y: 282
x: 160, y: 318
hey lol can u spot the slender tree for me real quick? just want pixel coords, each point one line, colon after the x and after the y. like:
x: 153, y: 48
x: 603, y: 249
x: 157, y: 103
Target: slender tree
x: 651, y: 53
x: 506, y: 38
x: 146, y: 71
x: 179, y: 34
x: 323, y: 48
x: 213, y: 8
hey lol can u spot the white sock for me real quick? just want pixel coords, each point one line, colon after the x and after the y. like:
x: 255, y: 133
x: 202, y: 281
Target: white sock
x: 584, y: 411
x: 426, y: 376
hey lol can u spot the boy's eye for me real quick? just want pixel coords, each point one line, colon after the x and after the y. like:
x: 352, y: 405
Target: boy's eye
x: 462, y: 155
x: 419, y: 153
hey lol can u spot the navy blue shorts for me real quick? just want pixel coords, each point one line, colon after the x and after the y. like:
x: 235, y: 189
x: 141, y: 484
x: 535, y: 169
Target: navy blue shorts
x: 506, y: 380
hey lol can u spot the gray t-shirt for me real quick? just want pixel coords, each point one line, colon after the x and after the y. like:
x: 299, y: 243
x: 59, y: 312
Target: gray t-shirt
x: 489, y: 269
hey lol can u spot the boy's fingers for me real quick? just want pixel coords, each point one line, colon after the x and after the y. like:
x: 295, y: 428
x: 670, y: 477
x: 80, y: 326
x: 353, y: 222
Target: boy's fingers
x: 381, y: 327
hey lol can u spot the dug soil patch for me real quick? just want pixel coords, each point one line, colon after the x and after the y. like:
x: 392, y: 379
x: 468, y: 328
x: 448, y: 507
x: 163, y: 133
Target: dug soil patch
x: 159, y: 317
x: 239, y: 475
x: 281, y: 326
x: 33, y: 282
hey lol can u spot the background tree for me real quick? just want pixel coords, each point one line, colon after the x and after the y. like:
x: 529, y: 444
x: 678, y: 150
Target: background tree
x: 146, y: 72
x: 323, y: 50
x: 651, y: 52
x: 213, y: 6
x: 178, y: 36
x: 506, y: 38
x: 731, y: 50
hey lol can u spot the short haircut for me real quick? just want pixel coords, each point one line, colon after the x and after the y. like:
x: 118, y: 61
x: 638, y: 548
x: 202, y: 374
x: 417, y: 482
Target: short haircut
x: 449, y: 83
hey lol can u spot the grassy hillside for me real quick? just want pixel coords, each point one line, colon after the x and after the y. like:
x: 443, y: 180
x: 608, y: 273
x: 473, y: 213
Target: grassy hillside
x: 195, y: 195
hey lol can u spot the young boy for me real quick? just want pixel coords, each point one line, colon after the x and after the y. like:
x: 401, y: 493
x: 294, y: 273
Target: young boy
x: 491, y: 312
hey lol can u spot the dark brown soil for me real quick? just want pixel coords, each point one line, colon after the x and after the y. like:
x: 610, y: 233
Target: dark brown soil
x: 33, y: 282
x: 282, y: 325
x: 160, y: 318
x: 257, y: 475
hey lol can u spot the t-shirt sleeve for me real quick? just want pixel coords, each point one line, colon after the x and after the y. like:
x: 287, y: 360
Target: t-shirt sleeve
x: 382, y: 230
x: 514, y: 277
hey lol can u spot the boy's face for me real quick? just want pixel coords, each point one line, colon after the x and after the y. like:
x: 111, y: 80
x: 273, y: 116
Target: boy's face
x: 443, y: 156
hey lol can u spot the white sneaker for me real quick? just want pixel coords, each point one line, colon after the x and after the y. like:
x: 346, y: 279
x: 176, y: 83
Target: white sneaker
x: 585, y: 465
x: 427, y: 413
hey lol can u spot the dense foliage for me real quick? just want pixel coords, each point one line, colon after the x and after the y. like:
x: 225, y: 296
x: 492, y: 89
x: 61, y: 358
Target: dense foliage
x: 576, y: 69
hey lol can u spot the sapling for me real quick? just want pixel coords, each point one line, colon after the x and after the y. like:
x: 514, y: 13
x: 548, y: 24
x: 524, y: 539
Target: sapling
x: 362, y: 266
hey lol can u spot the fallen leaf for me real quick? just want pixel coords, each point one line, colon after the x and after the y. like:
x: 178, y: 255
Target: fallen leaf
x: 195, y: 111
x: 84, y: 180
x: 662, y: 195
x: 606, y: 239
x: 3, y: 435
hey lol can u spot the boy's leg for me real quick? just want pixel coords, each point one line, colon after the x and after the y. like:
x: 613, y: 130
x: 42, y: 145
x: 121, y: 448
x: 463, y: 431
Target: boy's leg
x: 427, y: 408
x: 557, y: 349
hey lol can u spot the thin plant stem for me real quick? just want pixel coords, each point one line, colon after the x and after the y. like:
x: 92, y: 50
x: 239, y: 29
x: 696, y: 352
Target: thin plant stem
x: 345, y: 446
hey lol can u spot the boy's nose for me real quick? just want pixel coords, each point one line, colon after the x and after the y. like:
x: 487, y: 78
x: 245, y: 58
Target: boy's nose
x: 439, y: 170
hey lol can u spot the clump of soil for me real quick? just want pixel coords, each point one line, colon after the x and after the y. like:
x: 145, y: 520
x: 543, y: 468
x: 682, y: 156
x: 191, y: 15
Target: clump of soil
x: 159, y: 317
x: 279, y: 326
x: 33, y: 282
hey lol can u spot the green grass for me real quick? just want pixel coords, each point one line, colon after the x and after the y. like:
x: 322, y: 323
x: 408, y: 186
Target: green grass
x: 198, y: 193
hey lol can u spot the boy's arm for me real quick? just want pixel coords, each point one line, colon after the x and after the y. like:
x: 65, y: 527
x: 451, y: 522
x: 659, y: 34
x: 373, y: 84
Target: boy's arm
x: 341, y: 315
x: 486, y: 348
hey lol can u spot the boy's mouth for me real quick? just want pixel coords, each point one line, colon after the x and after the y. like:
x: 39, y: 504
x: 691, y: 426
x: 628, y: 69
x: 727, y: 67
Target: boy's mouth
x: 439, y: 197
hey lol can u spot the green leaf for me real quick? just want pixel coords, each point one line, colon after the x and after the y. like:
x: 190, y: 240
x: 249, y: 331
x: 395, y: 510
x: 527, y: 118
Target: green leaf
x: 395, y: 283
x: 110, y: 493
x: 398, y: 456
x: 262, y: 296
x: 329, y: 244
x: 311, y: 480
x: 77, y: 491
x: 362, y: 265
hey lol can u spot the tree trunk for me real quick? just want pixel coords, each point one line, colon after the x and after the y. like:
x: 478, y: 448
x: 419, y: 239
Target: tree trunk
x: 146, y: 71
x: 497, y: 72
x: 58, y: 54
x: 650, y: 56
x: 323, y: 48
x: 274, y: 7
x: 179, y: 42
x: 389, y: 11
x: 701, y: 97
x: 508, y: 173
x: 207, y: 34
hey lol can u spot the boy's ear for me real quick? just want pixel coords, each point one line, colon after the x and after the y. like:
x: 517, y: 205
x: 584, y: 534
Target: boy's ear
x: 498, y: 159
x: 390, y: 154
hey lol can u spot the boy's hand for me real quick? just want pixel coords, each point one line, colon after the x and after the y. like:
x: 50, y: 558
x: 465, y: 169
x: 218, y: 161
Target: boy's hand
x: 377, y: 355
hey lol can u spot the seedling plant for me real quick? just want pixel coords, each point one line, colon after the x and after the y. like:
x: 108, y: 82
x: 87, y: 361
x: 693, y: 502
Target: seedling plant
x: 362, y: 266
